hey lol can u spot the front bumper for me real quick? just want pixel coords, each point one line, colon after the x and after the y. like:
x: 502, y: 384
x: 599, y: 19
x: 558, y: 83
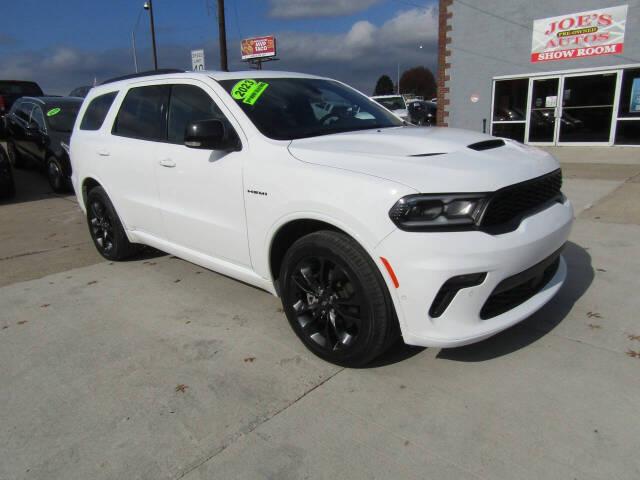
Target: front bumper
x: 424, y: 261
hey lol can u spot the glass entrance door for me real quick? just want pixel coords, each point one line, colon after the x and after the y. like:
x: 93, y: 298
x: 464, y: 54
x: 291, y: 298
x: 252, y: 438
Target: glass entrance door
x: 543, y: 111
x: 587, y: 108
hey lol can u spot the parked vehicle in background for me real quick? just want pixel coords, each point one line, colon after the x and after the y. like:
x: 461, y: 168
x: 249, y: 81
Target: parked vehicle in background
x: 364, y: 226
x: 395, y: 103
x: 10, y: 91
x: 7, y: 186
x: 38, y: 132
x: 80, y: 92
x: 422, y: 112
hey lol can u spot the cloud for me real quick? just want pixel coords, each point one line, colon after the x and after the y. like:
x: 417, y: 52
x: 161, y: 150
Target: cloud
x: 357, y: 57
x: 7, y: 40
x: 365, y: 52
x: 288, y: 9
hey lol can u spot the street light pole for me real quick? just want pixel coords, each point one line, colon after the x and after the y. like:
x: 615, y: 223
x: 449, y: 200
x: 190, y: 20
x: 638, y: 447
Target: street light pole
x: 135, y: 57
x: 149, y: 5
x: 133, y: 37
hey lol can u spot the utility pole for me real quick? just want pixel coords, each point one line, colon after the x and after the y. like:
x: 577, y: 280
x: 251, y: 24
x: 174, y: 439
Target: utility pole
x: 222, y: 33
x: 153, y: 34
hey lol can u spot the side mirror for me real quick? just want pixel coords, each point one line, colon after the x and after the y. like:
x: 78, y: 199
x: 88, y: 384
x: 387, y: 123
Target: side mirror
x: 210, y: 135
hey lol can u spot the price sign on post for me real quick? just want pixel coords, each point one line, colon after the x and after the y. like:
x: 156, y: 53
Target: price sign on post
x: 197, y: 60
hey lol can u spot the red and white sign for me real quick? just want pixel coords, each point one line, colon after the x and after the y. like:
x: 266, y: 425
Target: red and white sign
x: 258, y: 47
x: 577, y: 35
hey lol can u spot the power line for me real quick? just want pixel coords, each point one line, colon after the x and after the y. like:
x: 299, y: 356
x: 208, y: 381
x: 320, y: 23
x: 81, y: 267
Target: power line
x: 411, y: 4
x: 491, y: 14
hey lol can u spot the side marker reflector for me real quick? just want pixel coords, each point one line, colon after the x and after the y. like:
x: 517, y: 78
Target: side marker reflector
x: 391, y: 272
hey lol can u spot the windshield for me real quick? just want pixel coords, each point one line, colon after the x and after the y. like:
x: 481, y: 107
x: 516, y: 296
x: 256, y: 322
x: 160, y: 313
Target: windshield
x: 61, y: 119
x: 392, y: 103
x: 290, y: 108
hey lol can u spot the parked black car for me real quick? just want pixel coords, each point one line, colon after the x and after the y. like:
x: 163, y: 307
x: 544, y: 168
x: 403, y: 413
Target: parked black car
x: 422, y: 112
x: 7, y: 187
x: 39, y: 129
x: 80, y: 91
x: 10, y: 91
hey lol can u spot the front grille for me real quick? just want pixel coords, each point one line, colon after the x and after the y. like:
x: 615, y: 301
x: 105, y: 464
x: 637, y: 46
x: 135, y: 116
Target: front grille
x: 507, y: 206
x: 519, y: 288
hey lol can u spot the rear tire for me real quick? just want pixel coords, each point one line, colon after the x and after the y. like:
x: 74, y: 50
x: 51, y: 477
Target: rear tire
x: 336, y: 300
x: 105, y: 228
x: 8, y: 189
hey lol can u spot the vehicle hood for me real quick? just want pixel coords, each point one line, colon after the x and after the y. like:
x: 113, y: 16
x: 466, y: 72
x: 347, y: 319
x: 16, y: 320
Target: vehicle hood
x: 428, y: 160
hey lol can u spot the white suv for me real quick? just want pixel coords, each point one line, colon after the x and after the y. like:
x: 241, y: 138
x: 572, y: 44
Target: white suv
x: 365, y: 227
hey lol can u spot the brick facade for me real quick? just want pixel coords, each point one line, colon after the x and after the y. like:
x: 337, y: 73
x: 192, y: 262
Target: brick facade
x: 444, y: 40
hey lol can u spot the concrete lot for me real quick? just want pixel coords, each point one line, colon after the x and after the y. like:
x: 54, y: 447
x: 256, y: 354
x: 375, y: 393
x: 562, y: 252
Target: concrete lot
x: 158, y: 369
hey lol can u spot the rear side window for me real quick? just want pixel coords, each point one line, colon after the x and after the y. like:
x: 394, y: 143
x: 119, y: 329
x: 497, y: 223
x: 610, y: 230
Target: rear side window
x: 189, y: 104
x: 97, y: 111
x: 143, y: 113
x: 36, y: 116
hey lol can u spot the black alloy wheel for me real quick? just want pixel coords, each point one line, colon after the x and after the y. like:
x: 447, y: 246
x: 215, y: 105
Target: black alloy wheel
x: 105, y: 228
x: 101, y: 225
x: 329, y: 303
x: 335, y: 299
x: 55, y: 176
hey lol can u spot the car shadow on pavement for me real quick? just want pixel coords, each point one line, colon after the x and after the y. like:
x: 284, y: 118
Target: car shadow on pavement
x: 32, y: 185
x: 145, y: 253
x: 580, y: 275
x: 398, y: 352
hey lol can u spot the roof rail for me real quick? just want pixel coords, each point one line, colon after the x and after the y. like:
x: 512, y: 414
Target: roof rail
x: 161, y: 71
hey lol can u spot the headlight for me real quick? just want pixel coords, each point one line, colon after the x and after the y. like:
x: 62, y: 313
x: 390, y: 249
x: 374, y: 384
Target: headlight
x: 65, y: 147
x: 456, y: 211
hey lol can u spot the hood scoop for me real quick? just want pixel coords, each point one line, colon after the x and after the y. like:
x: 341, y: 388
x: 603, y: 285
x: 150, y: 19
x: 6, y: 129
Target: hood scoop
x: 486, y: 145
x: 427, y: 154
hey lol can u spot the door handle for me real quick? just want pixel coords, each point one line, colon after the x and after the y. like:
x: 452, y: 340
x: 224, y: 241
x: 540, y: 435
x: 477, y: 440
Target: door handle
x: 103, y: 153
x: 167, y: 162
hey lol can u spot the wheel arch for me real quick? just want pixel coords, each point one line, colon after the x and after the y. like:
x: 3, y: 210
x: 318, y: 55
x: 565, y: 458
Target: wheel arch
x: 87, y: 184
x: 293, y: 228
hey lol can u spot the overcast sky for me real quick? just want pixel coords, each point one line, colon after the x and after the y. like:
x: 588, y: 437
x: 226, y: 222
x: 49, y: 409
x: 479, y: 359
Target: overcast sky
x: 62, y: 45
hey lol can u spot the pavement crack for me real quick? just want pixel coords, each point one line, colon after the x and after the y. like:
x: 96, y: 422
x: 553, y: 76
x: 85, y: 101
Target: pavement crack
x: 36, y: 252
x: 254, y: 425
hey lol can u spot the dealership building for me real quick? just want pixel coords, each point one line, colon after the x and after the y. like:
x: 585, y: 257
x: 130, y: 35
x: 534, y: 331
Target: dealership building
x: 543, y: 72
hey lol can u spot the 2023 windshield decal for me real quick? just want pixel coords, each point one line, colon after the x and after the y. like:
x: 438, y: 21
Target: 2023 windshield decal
x: 248, y: 90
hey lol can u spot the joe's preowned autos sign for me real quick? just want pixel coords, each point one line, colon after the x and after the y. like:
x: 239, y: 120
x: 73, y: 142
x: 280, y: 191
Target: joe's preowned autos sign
x: 575, y: 35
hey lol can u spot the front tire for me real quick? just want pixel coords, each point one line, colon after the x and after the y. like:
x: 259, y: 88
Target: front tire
x: 336, y: 300
x: 56, y: 178
x: 105, y: 228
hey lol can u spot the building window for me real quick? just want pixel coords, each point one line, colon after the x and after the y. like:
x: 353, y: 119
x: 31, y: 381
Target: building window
x: 509, y: 108
x: 628, y: 126
x: 628, y: 132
